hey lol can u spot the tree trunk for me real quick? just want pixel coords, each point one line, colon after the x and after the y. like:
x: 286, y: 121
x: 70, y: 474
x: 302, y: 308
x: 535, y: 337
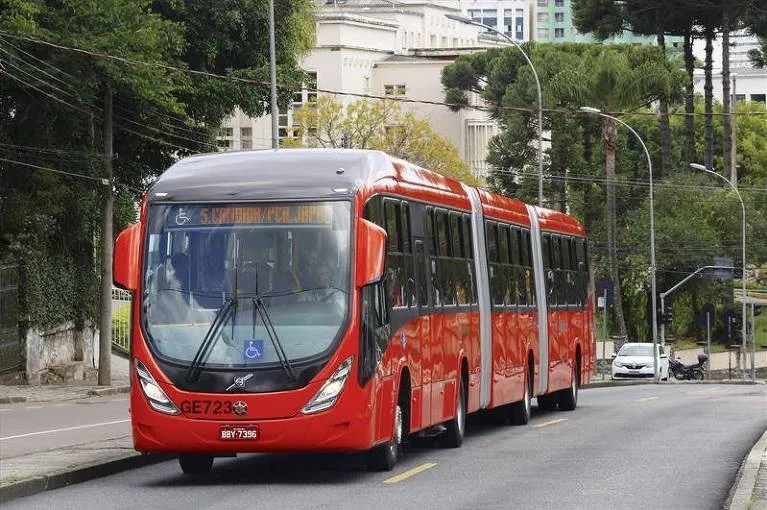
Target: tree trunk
x: 610, y: 135
x: 708, y: 90
x: 726, y: 103
x: 665, y: 128
x: 689, y: 101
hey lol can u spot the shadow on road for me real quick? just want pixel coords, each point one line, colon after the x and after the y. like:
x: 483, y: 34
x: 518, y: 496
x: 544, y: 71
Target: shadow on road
x: 333, y: 468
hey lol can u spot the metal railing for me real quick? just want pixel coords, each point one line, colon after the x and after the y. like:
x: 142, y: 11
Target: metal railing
x: 121, y: 320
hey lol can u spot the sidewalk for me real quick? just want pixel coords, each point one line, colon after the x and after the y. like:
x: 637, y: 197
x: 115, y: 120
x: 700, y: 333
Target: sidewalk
x: 10, y: 394
x: 37, y: 472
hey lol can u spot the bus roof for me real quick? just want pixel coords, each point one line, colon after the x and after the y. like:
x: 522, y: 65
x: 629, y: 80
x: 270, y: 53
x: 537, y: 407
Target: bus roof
x: 268, y: 175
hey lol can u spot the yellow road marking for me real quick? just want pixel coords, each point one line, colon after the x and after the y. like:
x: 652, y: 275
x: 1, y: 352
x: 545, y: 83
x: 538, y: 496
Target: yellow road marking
x: 551, y: 422
x: 647, y: 399
x: 411, y: 472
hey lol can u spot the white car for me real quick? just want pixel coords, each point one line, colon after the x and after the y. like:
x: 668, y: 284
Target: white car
x: 635, y: 361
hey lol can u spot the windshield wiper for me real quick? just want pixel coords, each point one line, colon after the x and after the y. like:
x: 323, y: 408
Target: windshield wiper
x: 260, y: 307
x: 201, y: 356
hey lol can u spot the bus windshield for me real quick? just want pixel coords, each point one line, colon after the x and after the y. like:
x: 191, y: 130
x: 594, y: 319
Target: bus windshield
x: 286, y: 264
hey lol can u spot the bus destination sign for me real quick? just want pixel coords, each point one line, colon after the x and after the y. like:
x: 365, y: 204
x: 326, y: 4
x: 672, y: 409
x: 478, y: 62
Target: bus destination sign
x: 276, y: 214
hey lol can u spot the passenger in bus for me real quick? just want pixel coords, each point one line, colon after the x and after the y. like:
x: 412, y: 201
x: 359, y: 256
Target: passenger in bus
x: 180, y: 276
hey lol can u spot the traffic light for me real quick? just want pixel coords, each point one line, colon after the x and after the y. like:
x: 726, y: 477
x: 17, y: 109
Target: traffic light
x: 757, y: 310
x: 668, y: 315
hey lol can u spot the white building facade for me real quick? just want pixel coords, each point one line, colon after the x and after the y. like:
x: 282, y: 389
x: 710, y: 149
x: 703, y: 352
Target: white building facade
x: 382, y: 49
x: 510, y: 17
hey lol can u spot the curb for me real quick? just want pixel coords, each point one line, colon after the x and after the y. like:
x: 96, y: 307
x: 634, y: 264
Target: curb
x: 609, y: 384
x: 53, y: 481
x: 743, y: 488
x: 103, y: 392
x: 12, y: 400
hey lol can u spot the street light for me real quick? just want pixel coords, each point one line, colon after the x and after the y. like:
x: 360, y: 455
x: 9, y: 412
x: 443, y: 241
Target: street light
x: 597, y: 111
x: 469, y: 21
x: 273, y: 78
x: 702, y: 168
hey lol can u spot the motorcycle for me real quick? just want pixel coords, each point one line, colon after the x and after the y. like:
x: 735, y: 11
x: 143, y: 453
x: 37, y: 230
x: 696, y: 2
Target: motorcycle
x: 692, y: 372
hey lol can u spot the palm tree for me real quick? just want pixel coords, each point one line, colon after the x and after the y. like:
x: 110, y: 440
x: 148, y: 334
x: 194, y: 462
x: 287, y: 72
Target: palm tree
x: 616, y: 77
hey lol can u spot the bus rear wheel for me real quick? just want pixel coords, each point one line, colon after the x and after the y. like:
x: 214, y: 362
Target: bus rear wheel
x: 195, y: 463
x: 519, y: 412
x: 568, y: 399
x: 456, y: 428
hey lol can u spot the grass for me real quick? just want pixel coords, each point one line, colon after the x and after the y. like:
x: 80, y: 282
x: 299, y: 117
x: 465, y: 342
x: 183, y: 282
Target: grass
x: 761, y: 330
x: 691, y: 343
x: 761, y: 337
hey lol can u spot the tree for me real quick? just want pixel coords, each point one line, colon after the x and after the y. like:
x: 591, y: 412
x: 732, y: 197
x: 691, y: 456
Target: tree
x: 55, y: 100
x: 380, y: 125
x: 758, y: 56
x: 616, y: 78
x: 647, y: 17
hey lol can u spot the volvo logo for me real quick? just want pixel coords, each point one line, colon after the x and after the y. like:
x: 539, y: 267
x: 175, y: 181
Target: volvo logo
x: 239, y: 382
x: 240, y: 408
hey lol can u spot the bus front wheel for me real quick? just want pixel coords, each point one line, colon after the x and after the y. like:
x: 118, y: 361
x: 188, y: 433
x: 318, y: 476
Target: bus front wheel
x: 383, y: 457
x: 195, y: 463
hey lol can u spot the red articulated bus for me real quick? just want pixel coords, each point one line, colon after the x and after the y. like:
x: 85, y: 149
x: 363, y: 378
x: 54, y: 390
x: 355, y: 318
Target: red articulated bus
x: 341, y: 300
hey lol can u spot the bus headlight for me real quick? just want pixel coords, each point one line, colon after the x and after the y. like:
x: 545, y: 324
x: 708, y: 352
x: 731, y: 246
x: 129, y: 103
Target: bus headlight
x: 157, y: 398
x: 328, y: 394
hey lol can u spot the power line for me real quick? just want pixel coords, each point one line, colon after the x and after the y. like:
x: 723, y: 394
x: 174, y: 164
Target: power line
x: 327, y: 91
x: 101, y: 180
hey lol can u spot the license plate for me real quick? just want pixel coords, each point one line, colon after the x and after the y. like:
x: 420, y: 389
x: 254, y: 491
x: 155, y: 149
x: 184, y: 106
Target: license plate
x: 238, y: 432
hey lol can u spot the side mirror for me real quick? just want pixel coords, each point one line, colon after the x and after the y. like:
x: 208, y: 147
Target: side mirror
x: 371, y: 242
x: 614, y: 355
x: 125, y: 266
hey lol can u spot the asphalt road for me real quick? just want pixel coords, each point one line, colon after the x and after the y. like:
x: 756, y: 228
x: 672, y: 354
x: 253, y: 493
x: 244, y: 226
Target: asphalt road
x: 675, y: 446
x: 32, y: 427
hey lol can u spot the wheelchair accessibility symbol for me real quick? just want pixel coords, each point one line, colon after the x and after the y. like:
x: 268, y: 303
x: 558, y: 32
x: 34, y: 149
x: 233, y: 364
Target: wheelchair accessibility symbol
x: 253, y: 349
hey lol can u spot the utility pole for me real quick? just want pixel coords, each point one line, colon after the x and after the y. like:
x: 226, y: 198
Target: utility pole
x: 734, y: 147
x: 105, y: 325
x: 273, y: 79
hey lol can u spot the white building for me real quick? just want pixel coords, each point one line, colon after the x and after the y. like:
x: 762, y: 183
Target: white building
x: 740, y: 42
x: 746, y: 82
x: 383, y: 48
x: 511, y: 17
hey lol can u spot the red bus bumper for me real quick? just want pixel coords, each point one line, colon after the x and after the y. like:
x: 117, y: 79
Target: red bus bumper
x: 347, y: 426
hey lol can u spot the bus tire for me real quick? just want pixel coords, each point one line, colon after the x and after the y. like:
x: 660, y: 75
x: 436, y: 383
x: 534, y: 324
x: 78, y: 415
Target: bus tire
x: 519, y: 412
x: 195, y: 463
x: 568, y: 399
x: 456, y: 428
x: 385, y: 456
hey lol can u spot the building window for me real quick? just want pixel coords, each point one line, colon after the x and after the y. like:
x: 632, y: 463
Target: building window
x: 543, y: 3
x: 559, y: 33
x: 246, y: 138
x: 395, y: 90
x: 508, y: 21
x: 477, y: 139
x: 758, y: 97
x: 542, y: 17
x: 224, y: 140
x: 543, y: 33
x: 559, y: 3
x: 559, y: 17
x: 487, y: 17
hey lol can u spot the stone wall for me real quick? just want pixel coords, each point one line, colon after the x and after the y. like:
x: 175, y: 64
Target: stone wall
x: 62, y: 354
